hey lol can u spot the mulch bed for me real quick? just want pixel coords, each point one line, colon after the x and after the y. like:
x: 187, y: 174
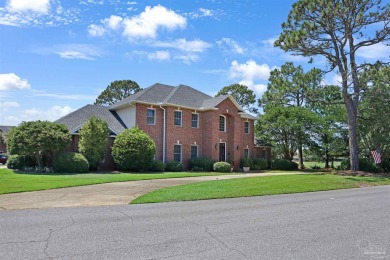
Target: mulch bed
x: 361, y: 173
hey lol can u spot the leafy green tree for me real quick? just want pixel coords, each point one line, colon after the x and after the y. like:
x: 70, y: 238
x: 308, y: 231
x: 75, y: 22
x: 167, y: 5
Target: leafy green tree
x: 290, y: 87
x: 337, y: 30
x: 373, y: 119
x: 133, y: 150
x: 93, y: 141
x: 116, y: 91
x: 242, y: 94
x: 328, y: 138
x: 38, y: 139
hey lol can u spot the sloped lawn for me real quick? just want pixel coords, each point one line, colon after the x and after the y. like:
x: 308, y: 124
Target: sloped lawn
x: 11, y: 182
x: 258, y: 186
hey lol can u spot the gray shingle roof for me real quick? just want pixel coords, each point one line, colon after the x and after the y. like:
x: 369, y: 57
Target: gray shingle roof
x: 5, y: 128
x: 182, y: 95
x: 75, y: 120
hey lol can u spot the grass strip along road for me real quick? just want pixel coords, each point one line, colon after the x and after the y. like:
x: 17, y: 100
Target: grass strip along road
x: 11, y: 182
x: 258, y: 186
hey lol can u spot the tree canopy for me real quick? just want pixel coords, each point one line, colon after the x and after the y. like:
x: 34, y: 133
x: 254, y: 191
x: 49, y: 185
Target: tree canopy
x: 116, y: 91
x: 242, y: 94
x: 337, y: 30
x: 38, y: 139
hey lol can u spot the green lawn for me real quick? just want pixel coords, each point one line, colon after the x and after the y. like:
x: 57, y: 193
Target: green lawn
x: 258, y: 186
x: 11, y: 182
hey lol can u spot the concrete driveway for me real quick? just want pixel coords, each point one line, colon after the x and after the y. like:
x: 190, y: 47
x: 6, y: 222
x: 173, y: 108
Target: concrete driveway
x: 117, y: 193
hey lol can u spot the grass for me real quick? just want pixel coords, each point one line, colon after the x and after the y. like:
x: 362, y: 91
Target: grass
x: 258, y: 186
x: 11, y: 182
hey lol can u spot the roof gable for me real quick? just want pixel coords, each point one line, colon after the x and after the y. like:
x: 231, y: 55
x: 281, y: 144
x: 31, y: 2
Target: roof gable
x: 75, y: 120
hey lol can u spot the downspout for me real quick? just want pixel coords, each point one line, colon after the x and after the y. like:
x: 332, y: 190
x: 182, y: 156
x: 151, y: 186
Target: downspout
x: 163, y: 146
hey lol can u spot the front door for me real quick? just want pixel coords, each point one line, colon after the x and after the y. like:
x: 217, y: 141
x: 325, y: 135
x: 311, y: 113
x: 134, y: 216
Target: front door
x: 222, y: 152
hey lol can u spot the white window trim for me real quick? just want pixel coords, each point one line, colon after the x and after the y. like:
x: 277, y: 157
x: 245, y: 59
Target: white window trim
x: 181, y: 118
x: 249, y: 127
x: 197, y: 123
x: 181, y: 152
x: 154, y: 118
x: 224, y: 121
x: 197, y: 150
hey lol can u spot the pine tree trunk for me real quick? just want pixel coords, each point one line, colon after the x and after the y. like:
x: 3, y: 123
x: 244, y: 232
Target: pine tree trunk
x: 352, y: 124
x: 326, y: 158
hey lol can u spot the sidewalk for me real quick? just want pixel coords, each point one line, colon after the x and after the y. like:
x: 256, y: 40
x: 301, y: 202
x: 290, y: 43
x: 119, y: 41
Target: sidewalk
x: 116, y: 193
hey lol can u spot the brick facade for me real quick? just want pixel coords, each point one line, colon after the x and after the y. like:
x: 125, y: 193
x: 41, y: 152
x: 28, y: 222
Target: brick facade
x: 207, y: 136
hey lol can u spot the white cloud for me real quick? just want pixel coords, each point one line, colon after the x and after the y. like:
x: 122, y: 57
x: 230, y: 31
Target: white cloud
x: 377, y: 51
x: 184, y: 45
x: 11, y: 81
x: 72, y: 51
x: 65, y: 96
x: 147, y: 23
x: 50, y: 114
x: 96, y: 30
x: 249, y: 70
x: 230, y: 46
x: 12, y: 119
x: 8, y: 104
x: 187, y: 58
x: 157, y: 55
x: 39, y: 6
x: 259, y: 89
x: 203, y: 12
x: 37, y: 13
x: 113, y: 22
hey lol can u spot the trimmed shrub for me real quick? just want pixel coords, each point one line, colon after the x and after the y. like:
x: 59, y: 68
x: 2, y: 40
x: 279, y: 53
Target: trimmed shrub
x: 285, y: 165
x: 19, y: 162
x: 68, y: 162
x: 201, y: 164
x: 173, y: 167
x: 365, y: 164
x: 221, y: 167
x: 157, y: 166
x: 386, y: 165
x: 246, y: 162
x: 93, y: 141
x: 133, y: 150
x: 259, y: 164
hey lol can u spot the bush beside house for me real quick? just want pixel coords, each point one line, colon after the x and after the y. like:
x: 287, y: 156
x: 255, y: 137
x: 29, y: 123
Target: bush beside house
x: 285, y: 165
x: 222, y: 167
x: 201, y: 164
x: 133, y: 150
x: 93, y: 141
x: 69, y: 162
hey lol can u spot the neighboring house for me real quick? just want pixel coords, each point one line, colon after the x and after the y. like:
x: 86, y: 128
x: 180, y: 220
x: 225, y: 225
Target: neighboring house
x: 183, y: 122
x: 4, y: 130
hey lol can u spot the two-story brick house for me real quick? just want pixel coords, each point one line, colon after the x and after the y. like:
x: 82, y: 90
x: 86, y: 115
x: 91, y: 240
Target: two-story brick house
x: 183, y: 122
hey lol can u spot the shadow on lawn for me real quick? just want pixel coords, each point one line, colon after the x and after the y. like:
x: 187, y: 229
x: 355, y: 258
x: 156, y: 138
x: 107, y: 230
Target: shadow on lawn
x: 371, y: 179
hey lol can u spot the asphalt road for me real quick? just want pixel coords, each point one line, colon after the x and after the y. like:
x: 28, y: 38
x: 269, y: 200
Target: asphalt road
x: 344, y: 224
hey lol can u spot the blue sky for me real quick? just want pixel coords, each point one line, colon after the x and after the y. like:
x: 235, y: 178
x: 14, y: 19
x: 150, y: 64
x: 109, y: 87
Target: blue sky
x: 56, y: 55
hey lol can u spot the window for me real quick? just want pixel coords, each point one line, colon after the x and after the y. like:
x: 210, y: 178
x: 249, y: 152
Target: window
x: 151, y: 116
x: 246, y: 153
x: 222, y: 124
x: 194, y: 151
x: 194, y: 120
x: 177, y: 153
x: 246, y: 127
x: 177, y: 118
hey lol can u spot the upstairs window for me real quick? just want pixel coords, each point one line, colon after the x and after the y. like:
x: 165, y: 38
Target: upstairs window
x: 195, y: 120
x: 222, y: 123
x: 177, y: 153
x: 151, y: 116
x: 177, y: 118
x: 194, y: 151
x: 246, y: 127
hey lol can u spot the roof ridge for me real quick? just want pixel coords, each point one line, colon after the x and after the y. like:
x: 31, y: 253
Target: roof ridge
x: 174, y: 90
x: 71, y: 113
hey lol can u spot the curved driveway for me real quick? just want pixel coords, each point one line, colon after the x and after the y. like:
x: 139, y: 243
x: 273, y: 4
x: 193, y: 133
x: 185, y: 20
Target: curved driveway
x: 116, y: 193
